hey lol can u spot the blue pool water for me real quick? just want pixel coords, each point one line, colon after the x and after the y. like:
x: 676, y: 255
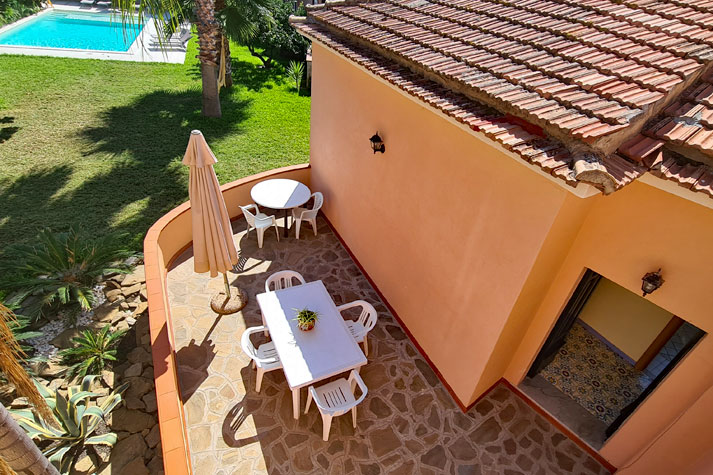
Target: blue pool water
x: 75, y: 30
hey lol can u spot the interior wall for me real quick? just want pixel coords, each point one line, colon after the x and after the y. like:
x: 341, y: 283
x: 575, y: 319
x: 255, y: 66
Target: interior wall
x: 626, y: 320
x: 633, y: 231
x: 447, y: 226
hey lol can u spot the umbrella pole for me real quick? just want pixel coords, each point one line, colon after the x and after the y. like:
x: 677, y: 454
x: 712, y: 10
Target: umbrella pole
x: 227, y: 285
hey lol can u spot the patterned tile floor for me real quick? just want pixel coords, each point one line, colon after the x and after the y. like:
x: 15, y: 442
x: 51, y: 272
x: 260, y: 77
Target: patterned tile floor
x: 408, y: 423
x: 592, y: 374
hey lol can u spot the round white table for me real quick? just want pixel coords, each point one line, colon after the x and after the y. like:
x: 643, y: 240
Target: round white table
x: 280, y: 193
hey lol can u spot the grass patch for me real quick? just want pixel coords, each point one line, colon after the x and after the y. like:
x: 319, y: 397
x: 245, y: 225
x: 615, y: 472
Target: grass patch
x: 99, y: 144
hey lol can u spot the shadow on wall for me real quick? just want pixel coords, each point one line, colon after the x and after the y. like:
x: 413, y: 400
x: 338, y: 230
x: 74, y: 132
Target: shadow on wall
x: 145, y: 142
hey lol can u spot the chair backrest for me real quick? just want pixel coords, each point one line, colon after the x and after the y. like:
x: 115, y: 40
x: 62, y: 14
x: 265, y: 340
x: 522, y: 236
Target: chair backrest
x: 247, y: 345
x: 250, y: 350
x: 331, y: 405
x: 318, y: 200
x: 250, y: 217
x: 282, y: 280
x: 368, y: 315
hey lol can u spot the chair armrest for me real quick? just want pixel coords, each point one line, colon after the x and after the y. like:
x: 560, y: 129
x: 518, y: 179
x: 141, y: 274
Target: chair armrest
x: 354, y: 376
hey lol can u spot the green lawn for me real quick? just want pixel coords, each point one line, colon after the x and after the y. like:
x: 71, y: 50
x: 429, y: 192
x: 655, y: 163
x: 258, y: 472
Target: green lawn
x: 98, y: 144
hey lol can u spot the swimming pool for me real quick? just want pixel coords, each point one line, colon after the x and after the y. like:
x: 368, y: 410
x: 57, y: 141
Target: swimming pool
x: 73, y: 30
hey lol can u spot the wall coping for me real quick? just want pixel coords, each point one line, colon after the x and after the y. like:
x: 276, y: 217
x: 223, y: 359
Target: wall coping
x: 171, y: 417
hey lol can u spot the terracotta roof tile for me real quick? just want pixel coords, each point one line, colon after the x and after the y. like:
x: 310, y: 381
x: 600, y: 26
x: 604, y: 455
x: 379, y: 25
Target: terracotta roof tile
x: 583, y: 69
x: 602, y: 62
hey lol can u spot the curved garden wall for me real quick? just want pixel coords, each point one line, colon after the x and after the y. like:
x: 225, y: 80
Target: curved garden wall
x: 166, y: 239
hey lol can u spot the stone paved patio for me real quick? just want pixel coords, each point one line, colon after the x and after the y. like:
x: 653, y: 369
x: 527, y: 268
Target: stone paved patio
x: 407, y: 424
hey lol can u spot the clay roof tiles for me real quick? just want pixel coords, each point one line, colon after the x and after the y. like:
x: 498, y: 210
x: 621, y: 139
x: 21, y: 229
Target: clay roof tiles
x: 589, y: 70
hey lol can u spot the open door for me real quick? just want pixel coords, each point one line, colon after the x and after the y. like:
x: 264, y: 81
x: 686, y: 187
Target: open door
x: 695, y: 334
x: 564, y: 324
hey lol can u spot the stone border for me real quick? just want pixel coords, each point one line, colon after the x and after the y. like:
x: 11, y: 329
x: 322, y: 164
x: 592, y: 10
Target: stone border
x: 165, y: 240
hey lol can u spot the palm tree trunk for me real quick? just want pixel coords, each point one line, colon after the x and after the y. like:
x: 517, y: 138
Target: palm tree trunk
x: 19, y: 451
x: 208, y: 54
x: 219, y: 6
x: 228, y: 64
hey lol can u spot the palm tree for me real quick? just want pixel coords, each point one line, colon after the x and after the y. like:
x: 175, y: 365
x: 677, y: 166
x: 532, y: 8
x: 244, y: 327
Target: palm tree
x: 212, y: 18
x: 18, y: 452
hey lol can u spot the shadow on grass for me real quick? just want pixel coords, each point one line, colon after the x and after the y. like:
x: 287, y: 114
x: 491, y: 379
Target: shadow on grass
x: 252, y: 76
x: 7, y: 132
x: 145, y: 141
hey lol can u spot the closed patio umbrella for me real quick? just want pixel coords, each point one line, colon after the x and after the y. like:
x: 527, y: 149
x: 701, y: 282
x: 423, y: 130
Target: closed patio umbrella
x: 213, y: 247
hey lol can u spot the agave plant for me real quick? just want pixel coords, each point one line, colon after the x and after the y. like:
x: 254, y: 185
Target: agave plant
x: 60, y: 268
x: 76, y: 422
x: 92, y: 351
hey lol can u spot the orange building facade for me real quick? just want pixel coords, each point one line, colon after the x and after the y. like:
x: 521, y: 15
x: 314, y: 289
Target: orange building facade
x: 478, y: 251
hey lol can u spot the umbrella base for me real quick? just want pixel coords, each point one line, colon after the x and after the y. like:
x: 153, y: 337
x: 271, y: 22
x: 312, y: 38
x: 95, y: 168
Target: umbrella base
x: 224, y: 305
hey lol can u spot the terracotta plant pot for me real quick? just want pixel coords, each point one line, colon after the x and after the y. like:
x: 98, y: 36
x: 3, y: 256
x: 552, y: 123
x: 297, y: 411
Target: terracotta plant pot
x: 305, y: 327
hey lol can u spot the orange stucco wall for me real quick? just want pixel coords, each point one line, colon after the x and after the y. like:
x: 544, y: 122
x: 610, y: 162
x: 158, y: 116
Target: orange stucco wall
x: 447, y: 226
x: 478, y: 254
x: 625, y: 235
x: 168, y: 236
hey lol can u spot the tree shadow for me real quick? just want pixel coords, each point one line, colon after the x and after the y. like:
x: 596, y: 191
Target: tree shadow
x: 7, y: 132
x: 143, y: 142
x: 252, y: 76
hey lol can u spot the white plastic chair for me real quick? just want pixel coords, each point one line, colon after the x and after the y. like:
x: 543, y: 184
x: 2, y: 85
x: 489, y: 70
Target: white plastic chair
x: 366, y: 322
x: 282, y: 280
x: 264, y: 357
x: 336, y: 398
x: 259, y: 222
x: 302, y: 214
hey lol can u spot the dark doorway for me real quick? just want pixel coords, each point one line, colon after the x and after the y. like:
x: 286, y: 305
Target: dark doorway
x: 587, y: 375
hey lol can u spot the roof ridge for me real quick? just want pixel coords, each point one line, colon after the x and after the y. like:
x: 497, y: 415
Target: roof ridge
x: 588, y: 111
x: 559, y: 51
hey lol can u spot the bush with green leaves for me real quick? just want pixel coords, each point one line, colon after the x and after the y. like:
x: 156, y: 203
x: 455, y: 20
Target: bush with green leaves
x: 59, y: 269
x: 91, y: 352
x: 295, y: 71
x: 75, y: 418
x: 272, y: 37
x: 13, y: 10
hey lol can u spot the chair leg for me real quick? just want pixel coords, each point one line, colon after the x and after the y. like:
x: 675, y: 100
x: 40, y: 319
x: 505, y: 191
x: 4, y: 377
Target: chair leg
x: 267, y: 333
x: 326, y: 425
x: 260, y: 235
x: 298, y: 222
x: 258, y: 379
x: 354, y: 416
x: 309, y: 400
x: 314, y: 225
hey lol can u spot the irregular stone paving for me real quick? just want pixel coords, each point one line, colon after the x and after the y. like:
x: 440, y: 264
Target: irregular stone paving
x: 407, y: 424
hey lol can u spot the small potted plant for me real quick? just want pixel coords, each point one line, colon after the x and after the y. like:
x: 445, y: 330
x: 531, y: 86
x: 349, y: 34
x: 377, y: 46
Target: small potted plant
x: 306, y: 319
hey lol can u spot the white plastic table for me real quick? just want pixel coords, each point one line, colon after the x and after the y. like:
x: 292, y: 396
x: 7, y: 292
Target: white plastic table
x: 307, y: 357
x: 280, y: 193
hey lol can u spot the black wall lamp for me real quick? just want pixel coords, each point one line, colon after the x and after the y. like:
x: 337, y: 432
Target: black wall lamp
x: 377, y: 144
x: 651, y: 281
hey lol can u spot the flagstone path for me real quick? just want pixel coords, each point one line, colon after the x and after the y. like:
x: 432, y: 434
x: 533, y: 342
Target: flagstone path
x: 408, y: 424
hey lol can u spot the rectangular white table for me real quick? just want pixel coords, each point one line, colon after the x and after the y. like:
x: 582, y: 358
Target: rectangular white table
x: 307, y: 357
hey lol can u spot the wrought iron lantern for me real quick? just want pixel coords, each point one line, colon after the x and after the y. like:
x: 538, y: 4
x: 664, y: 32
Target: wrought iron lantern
x: 377, y: 144
x: 651, y: 281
